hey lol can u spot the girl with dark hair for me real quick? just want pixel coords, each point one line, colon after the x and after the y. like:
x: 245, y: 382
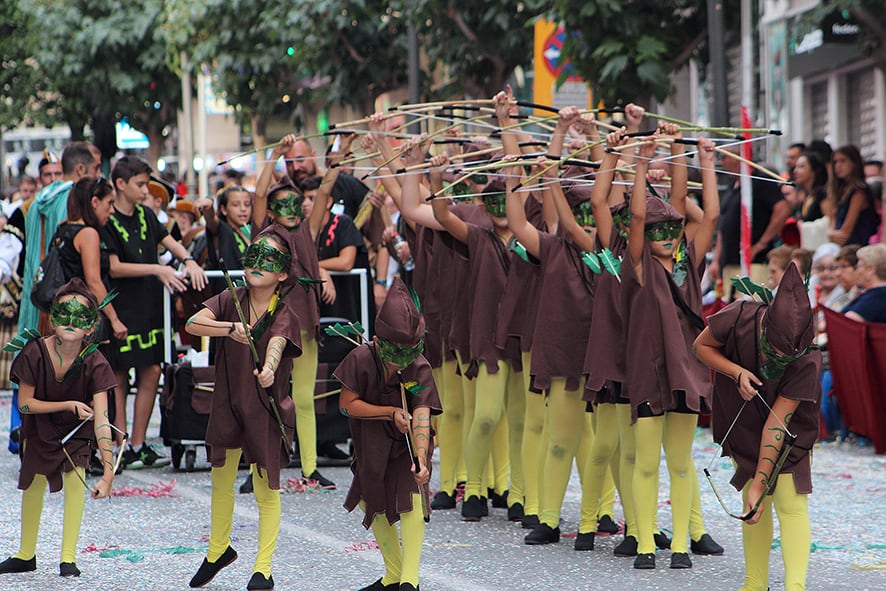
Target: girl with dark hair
x: 811, y: 177
x: 83, y: 251
x: 228, y: 230
x: 855, y: 217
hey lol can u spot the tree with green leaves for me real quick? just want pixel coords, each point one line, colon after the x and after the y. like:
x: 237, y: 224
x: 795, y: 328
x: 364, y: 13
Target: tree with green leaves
x: 26, y: 96
x: 628, y: 50
x: 101, y: 60
x: 477, y: 44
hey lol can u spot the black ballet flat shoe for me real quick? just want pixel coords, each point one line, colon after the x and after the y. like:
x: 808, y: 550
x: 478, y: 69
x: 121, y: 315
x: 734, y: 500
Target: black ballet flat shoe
x: 515, y: 512
x: 68, y: 569
x: 499, y: 501
x: 443, y: 501
x: 706, y: 546
x: 680, y: 560
x: 259, y: 581
x: 543, y: 534
x: 408, y: 587
x: 644, y: 561
x: 321, y: 480
x: 208, y: 570
x: 662, y: 541
x: 17, y: 565
x: 607, y: 525
x: 529, y: 521
x: 472, y: 508
x: 247, y: 488
x: 584, y: 542
x: 379, y: 586
x: 626, y: 548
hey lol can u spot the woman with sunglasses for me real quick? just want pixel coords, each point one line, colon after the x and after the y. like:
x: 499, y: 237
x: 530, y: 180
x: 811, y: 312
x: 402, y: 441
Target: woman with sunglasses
x: 763, y: 358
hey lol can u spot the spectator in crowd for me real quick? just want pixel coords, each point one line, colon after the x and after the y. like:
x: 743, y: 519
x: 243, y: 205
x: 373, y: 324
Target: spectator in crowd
x: 792, y: 154
x: 135, y: 233
x: 777, y: 262
x: 870, y: 306
x: 347, y: 192
x: 825, y: 271
x: 770, y: 210
x: 158, y: 198
x: 49, y: 169
x: 48, y: 208
x: 823, y: 150
x: 803, y: 259
x: 228, y: 231
x: 83, y: 255
x: 855, y: 218
x: 847, y: 260
x: 10, y: 249
x: 26, y: 191
x: 811, y: 177
x: 185, y: 227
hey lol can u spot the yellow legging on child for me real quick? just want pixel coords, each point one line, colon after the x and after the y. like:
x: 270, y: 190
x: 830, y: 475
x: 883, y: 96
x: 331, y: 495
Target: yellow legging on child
x: 222, y: 512
x: 496, y: 393
x: 401, y: 560
x: 649, y: 434
x: 535, y: 442
x: 596, y: 452
x: 450, y: 429
x: 792, y: 509
x: 32, y: 509
x: 304, y: 375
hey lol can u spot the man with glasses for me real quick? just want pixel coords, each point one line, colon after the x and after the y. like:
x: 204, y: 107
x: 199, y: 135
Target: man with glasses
x: 49, y: 208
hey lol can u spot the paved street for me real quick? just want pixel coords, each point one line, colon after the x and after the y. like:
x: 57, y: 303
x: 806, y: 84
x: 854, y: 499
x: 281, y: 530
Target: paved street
x: 157, y: 542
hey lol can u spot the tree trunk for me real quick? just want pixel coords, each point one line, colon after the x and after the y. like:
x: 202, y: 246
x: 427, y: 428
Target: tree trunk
x: 259, y: 139
x: 155, y: 149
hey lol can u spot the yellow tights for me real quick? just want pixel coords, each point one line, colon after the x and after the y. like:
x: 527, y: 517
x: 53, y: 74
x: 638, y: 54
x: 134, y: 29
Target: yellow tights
x: 565, y: 425
x: 595, y: 455
x: 649, y: 435
x: 304, y: 374
x: 401, y: 560
x: 222, y: 512
x: 449, y: 427
x: 32, y: 509
x: 535, y: 442
x: 495, y: 394
x: 792, y: 510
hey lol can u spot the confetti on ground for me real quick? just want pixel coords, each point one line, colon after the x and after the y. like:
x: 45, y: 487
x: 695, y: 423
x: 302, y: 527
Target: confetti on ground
x: 157, y: 490
x: 872, y: 565
x: 304, y: 485
x: 361, y: 546
x: 139, y: 555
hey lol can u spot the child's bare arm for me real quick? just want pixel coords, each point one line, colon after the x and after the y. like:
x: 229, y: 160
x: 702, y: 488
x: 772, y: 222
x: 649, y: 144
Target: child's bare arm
x: 351, y: 405
x: 29, y: 404
x: 105, y: 441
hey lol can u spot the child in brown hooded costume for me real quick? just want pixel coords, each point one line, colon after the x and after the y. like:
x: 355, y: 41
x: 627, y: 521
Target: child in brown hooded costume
x: 376, y: 379
x: 665, y: 383
x: 763, y: 360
